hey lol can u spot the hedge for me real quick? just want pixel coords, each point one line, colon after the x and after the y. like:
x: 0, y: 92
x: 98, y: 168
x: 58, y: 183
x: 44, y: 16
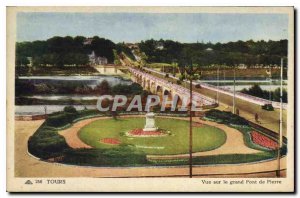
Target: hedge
x: 120, y: 156
x: 61, y: 119
x: 47, y: 143
x: 225, y: 117
x: 233, y: 158
x: 217, y: 159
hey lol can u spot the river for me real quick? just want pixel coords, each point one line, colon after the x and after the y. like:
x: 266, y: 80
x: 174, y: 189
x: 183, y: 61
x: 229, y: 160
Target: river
x: 40, y: 109
x: 91, y: 81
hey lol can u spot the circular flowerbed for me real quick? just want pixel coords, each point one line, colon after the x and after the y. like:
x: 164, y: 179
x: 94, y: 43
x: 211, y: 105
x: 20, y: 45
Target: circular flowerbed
x: 112, y: 141
x: 175, y: 138
x: 141, y: 133
x: 262, y: 140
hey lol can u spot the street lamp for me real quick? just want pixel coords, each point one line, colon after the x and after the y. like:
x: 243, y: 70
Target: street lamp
x: 190, y: 71
x: 270, y: 91
x: 233, y: 106
x: 279, y: 146
x: 218, y: 84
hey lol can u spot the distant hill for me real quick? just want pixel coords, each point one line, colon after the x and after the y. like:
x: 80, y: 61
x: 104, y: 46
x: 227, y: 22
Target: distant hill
x: 231, y: 53
x: 67, y: 51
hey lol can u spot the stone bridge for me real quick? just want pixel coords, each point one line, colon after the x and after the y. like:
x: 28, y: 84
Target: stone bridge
x: 163, y: 87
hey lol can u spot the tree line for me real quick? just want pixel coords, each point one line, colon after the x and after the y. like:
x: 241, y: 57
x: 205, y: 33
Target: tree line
x: 27, y: 88
x: 65, y: 51
x: 257, y: 91
x: 240, y: 52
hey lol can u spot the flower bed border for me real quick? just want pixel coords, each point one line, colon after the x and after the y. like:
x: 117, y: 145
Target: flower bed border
x: 163, y: 133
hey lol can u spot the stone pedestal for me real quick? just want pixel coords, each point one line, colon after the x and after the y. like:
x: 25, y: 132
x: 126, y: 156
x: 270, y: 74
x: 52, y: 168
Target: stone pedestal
x: 150, y: 122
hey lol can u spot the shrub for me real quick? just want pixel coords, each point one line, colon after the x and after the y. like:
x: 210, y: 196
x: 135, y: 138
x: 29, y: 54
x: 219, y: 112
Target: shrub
x: 88, y: 112
x: 181, y: 77
x: 225, y: 117
x: 120, y: 156
x: 61, y: 119
x: 47, y: 143
x: 70, y: 109
x: 283, y: 150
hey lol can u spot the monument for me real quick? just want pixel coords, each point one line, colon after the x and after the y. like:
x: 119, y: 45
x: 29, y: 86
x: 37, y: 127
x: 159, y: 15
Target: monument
x: 150, y: 122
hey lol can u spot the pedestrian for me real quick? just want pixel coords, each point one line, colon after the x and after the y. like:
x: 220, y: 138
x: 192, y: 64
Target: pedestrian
x: 256, y: 117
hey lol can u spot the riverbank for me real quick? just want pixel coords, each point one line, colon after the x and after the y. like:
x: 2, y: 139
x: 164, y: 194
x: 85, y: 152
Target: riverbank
x: 56, y: 71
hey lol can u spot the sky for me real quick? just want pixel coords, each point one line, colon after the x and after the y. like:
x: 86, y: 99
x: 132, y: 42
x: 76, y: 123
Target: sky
x: 134, y: 27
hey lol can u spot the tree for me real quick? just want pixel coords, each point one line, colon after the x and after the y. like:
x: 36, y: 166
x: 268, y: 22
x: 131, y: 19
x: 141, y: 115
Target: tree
x: 276, y: 95
x: 103, y: 47
x: 103, y: 88
x: 255, y: 90
x: 21, y: 61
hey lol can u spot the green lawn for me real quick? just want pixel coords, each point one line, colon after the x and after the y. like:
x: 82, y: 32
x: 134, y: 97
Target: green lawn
x: 205, y: 137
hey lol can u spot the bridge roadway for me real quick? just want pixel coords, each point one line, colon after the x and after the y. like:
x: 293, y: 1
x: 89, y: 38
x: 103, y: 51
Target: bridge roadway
x: 154, y: 83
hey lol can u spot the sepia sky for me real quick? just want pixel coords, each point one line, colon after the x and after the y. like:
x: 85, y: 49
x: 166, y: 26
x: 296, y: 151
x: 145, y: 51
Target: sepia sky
x: 134, y: 27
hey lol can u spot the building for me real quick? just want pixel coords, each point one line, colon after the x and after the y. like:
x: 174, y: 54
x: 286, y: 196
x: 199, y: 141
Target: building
x: 30, y: 64
x: 88, y: 41
x: 242, y: 66
x: 159, y: 46
x: 132, y: 46
x: 97, y: 60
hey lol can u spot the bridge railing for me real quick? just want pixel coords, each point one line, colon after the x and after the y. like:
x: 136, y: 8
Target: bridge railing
x: 253, y: 99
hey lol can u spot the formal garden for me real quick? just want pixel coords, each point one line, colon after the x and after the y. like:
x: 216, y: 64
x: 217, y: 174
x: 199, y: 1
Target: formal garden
x: 117, y: 140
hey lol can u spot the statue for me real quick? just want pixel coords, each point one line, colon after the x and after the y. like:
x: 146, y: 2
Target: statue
x: 150, y: 122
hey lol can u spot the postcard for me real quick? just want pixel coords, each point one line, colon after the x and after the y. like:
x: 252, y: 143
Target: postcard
x: 150, y: 99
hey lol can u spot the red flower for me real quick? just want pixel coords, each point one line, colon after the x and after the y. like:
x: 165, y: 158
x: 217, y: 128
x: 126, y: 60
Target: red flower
x: 110, y: 141
x: 262, y: 140
x: 140, y: 132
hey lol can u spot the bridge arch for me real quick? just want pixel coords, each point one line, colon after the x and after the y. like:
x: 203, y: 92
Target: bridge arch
x: 168, y: 93
x: 179, y: 100
x: 169, y: 97
x: 159, y: 90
